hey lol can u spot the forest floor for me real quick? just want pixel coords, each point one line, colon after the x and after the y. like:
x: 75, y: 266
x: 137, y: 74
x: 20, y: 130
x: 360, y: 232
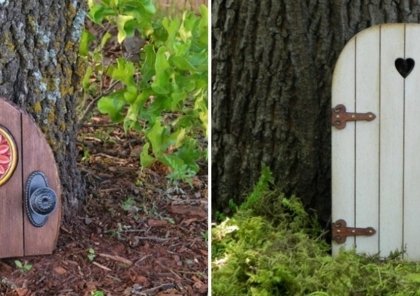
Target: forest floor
x: 137, y: 234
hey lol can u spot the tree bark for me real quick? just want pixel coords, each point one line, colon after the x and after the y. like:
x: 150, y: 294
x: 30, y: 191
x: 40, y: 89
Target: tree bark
x: 38, y: 72
x: 271, y: 79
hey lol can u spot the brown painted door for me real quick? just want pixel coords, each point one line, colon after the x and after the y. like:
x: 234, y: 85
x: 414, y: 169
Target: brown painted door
x: 18, y: 237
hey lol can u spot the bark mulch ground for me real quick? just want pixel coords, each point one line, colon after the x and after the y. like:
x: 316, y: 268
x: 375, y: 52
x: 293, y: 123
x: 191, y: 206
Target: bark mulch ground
x: 136, y: 234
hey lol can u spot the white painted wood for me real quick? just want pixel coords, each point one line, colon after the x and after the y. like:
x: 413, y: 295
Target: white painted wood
x: 391, y: 140
x: 375, y: 168
x: 367, y: 137
x: 343, y: 161
x: 412, y: 147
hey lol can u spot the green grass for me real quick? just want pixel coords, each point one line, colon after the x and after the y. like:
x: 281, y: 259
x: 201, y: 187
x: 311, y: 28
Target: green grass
x: 271, y: 246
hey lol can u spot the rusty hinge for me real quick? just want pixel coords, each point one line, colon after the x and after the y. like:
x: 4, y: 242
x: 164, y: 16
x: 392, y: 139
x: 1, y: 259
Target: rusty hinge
x: 339, y: 116
x: 340, y: 231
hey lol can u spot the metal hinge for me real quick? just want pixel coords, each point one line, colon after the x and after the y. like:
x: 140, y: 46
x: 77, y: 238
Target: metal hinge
x: 340, y: 231
x: 339, y: 116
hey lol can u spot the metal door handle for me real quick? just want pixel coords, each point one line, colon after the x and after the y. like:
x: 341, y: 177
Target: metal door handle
x: 40, y: 200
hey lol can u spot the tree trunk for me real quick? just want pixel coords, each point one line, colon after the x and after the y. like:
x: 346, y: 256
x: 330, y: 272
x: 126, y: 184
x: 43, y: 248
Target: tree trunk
x: 272, y: 68
x: 38, y: 72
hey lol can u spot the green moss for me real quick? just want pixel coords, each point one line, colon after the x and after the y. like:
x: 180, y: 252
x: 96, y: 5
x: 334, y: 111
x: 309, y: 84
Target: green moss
x: 66, y: 89
x: 37, y: 107
x: 51, y: 117
x: 31, y: 21
x: 69, y: 46
x: 8, y: 42
x: 273, y: 247
x: 66, y: 86
x: 53, y: 83
x: 62, y: 126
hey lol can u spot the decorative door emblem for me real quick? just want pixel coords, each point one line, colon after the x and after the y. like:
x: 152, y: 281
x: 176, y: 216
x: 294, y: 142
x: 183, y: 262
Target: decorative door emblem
x: 8, y: 155
x: 404, y: 66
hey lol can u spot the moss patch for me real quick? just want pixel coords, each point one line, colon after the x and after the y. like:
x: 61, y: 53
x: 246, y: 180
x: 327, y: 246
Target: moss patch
x: 271, y: 246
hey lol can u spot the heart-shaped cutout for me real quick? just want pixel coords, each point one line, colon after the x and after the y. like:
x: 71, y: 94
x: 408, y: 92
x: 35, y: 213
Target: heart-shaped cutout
x: 404, y: 66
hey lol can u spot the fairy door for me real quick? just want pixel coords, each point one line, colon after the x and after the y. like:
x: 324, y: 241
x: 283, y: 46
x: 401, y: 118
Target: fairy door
x: 30, y: 205
x: 376, y: 142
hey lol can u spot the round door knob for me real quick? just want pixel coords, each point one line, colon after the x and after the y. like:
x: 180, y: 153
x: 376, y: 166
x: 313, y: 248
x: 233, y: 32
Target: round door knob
x: 43, y: 201
x: 40, y: 200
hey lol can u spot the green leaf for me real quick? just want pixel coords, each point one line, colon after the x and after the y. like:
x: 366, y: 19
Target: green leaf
x: 172, y: 27
x: 149, y: 6
x: 179, y: 170
x: 185, y: 30
x: 201, y: 108
x: 185, y: 83
x: 203, y: 26
x: 160, y: 104
x: 189, y: 153
x: 178, y: 137
x: 199, y: 61
x: 98, y: 12
x: 173, y: 161
x: 18, y: 264
x: 144, y: 112
x: 162, y: 63
x: 90, y: 3
x: 176, y: 100
x: 123, y: 30
x: 141, y: 8
x: 130, y: 94
x: 131, y: 120
x: 27, y: 267
x: 85, y: 40
x: 87, y: 77
x: 112, y: 105
x: 161, y: 84
x: 157, y: 137
x: 182, y: 63
x: 123, y: 71
x: 146, y: 160
x: 107, y: 36
x: 148, y: 65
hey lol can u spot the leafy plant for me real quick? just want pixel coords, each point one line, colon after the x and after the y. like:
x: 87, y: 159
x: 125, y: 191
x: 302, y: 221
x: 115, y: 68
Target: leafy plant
x: 23, y: 266
x: 261, y: 188
x: 91, y: 254
x: 97, y: 293
x: 162, y: 94
x: 220, y: 216
x: 129, y: 205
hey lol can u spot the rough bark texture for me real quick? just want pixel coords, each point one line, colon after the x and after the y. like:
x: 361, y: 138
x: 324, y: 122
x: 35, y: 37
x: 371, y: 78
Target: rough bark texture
x: 272, y: 69
x: 38, y: 72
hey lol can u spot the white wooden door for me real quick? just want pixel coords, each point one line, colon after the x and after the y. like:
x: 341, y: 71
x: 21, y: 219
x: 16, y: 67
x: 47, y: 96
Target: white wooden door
x: 376, y: 163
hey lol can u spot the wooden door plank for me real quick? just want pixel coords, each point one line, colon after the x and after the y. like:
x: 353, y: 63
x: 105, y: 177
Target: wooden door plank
x: 37, y: 156
x: 11, y: 221
x: 412, y: 144
x: 367, y: 138
x: 343, y: 152
x: 391, y: 141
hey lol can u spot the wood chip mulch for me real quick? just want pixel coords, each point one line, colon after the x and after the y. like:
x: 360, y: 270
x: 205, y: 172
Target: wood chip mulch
x: 136, y: 234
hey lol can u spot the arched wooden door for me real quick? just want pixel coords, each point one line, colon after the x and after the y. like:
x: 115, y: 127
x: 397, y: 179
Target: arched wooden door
x: 375, y: 159
x: 25, y: 155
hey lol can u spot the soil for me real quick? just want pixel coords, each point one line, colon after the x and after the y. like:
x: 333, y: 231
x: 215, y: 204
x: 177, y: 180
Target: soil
x: 136, y: 234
